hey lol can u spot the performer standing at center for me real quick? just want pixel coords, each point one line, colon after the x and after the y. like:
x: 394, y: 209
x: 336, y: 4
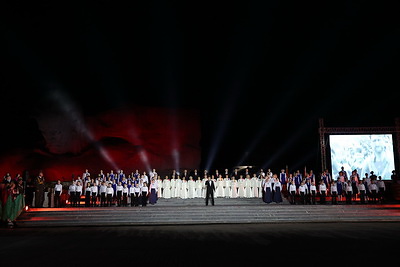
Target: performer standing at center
x: 144, y: 192
x: 210, y: 188
x: 93, y: 190
x: 88, y: 193
x: 57, y: 194
x: 153, y: 189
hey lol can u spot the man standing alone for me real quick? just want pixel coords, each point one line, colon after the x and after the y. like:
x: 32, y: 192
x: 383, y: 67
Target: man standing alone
x: 210, y: 188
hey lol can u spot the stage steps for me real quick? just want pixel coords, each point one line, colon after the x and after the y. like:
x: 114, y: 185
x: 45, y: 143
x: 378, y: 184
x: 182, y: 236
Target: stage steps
x: 194, y: 211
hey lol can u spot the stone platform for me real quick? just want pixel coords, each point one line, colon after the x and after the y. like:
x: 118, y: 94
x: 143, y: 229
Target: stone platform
x: 194, y: 211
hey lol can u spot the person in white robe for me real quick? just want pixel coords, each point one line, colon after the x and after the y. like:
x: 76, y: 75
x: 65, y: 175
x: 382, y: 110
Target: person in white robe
x: 219, y: 191
x: 248, y: 193
x: 227, y: 186
x: 234, y: 188
x: 191, y: 188
x: 241, y: 186
x: 166, y: 185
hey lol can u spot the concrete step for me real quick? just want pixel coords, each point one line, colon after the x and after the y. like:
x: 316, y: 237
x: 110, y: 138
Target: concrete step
x: 194, y: 211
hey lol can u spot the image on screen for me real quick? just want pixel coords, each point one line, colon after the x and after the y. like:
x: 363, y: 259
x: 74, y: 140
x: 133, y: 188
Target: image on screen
x: 364, y: 153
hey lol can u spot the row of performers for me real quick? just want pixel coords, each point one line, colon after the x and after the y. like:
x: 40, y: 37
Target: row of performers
x: 248, y: 187
x: 107, y: 194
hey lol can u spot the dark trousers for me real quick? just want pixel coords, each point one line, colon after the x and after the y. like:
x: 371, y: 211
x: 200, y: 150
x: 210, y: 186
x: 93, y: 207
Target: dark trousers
x: 381, y: 194
x: 303, y: 198
x: 103, y: 199
x: 125, y: 199
x: 374, y: 196
x: 292, y: 197
x: 109, y: 199
x: 94, y: 199
x: 132, y: 195
x: 77, y: 198
x: 322, y: 197
x: 136, y: 199
x: 334, y: 197
x: 349, y: 196
x: 87, y: 199
x: 57, y: 199
x: 144, y: 198
x: 362, y: 196
x: 119, y: 198
x: 72, y: 199
x: 313, y: 196
x: 39, y: 197
x: 210, y: 195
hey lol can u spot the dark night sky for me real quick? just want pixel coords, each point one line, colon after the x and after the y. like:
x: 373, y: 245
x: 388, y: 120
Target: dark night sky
x: 262, y: 71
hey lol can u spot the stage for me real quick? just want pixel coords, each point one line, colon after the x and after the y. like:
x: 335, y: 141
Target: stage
x: 194, y: 211
x: 177, y: 232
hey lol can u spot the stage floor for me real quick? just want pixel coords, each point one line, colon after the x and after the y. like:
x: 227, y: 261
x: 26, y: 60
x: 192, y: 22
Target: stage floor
x: 194, y: 211
x: 326, y: 244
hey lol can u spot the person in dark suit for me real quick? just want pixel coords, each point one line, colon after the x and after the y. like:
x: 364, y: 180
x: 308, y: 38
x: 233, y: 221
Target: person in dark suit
x: 210, y: 188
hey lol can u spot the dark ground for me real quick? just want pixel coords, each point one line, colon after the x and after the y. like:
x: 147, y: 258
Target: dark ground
x: 307, y: 244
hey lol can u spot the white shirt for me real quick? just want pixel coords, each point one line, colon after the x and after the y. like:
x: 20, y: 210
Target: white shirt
x: 292, y: 187
x: 322, y: 187
x: 72, y: 188
x: 303, y: 188
x: 110, y: 190
x: 78, y: 188
x: 103, y: 189
x: 94, y: 188
x: 58, y: 187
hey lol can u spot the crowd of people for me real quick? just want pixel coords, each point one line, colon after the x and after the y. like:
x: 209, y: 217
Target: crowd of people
x: 142, y: 188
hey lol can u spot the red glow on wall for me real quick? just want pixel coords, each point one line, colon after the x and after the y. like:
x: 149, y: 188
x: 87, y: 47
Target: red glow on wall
x: 122, y: 133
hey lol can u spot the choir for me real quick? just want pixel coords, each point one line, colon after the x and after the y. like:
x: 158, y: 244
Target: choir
x: 137, y: 188
x: 140, y: 189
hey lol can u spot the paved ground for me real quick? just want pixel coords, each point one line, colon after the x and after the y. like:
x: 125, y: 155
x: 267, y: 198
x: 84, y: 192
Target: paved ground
x: 373, y: 240
x: 308, y: 244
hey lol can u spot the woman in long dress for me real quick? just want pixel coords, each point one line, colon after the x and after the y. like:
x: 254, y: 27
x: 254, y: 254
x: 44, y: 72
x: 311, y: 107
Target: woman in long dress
x: 268, y: 190
x: 178, y: 187
x: 227, y: 186
x: 277, y: 188
x: 153, y: 188
x: 234, y: 187
x: 159, y: 185
x: 184, y: 189
x: 191, y: 187
x: 173, y: 186
x: 241, y: 185
x: 166, y: 187
x: 199, y: 187
x: 203, y: 182
x: 219, y: 191
x: 247, y: 187
x: 254, y: 186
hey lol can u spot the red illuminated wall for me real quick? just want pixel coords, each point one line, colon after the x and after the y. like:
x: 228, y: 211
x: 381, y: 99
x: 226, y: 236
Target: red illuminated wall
x: 113, y: 139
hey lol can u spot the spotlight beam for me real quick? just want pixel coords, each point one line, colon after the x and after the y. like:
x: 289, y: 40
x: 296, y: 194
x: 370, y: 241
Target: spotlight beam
x: 69, y: 109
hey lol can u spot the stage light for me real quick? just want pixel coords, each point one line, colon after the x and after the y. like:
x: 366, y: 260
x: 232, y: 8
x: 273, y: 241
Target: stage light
x: 142, y: 152
x: 175, y: 156
x: 224, y: 118
x: 72, y: 112
x: 26, y: 208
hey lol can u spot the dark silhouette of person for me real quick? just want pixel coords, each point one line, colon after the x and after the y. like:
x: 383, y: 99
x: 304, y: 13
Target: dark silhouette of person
x: 210, y: 188
x: 39, y: 193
